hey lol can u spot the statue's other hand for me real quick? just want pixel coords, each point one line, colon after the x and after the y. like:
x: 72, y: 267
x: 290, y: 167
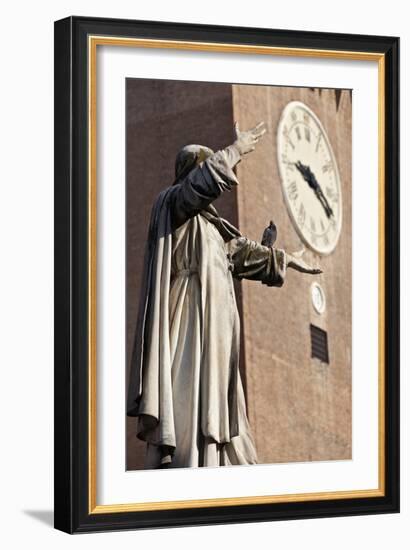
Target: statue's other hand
x: 246, y: 141
x: 300, y: 265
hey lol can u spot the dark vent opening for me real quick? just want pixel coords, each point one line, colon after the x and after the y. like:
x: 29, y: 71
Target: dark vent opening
x: 320, y: 349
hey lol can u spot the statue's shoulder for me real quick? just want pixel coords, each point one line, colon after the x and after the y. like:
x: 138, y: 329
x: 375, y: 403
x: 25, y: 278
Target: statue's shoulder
x: 160, y: 210
x: 163, y: 198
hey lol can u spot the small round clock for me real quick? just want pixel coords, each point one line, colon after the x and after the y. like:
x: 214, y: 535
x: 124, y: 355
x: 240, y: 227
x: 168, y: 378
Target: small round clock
x: 318, y: 297
x: 310, y: 177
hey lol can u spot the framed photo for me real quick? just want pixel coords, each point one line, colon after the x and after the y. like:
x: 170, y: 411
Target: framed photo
x: 226, y: 274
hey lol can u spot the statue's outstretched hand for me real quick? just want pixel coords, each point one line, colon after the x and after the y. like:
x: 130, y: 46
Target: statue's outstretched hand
x: 296, y: 262
x: 246, y: 141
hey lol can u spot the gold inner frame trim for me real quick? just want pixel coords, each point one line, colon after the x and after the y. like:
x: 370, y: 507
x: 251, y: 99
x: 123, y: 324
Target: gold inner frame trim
x: 93, y: 42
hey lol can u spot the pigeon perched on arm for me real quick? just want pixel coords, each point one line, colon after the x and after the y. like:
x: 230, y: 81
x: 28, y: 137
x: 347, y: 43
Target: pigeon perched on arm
x: 269, y: 235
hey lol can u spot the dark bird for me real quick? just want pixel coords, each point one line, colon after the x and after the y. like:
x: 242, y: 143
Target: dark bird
x: 269, y: 235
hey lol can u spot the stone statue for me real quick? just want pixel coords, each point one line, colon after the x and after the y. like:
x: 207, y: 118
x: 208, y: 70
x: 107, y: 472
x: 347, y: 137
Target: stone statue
x: 185, y: 387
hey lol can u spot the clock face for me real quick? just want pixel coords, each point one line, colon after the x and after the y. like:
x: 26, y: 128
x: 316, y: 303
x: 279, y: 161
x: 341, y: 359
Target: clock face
x: 310, y: 177
x: 318, y: 298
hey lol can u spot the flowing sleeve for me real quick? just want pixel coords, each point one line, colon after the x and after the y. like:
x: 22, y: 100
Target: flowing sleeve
x: 251, y: 260
x: 205, y: 183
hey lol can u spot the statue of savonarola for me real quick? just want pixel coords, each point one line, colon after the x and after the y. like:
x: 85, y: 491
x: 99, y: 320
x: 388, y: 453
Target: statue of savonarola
x: 185, y: 387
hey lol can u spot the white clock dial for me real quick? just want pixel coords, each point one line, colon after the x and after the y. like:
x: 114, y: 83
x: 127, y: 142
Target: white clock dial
x: 318, y: 297
x: 310, y: 177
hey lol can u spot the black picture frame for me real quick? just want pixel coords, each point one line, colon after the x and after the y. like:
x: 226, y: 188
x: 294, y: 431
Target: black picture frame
x: 71, y: 492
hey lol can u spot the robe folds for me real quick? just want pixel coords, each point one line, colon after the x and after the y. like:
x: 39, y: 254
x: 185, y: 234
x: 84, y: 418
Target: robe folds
x: 185, y: 387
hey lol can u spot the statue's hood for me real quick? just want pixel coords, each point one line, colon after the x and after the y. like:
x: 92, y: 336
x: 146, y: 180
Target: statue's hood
x: 188, y: 157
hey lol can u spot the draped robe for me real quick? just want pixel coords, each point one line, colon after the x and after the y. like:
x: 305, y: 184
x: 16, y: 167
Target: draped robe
x: 185, y: 387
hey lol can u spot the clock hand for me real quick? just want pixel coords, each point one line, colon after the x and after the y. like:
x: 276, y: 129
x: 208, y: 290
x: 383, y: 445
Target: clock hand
x: 304, y: 170
x: 311, y: 180
x: 323, y: 200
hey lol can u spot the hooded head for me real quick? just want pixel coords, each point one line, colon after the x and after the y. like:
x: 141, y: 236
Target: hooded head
x: 189, y: 157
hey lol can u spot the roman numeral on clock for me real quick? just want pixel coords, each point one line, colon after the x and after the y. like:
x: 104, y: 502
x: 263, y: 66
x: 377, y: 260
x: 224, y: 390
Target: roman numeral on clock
x: 318, y: 142
x: 286, y: 136
x: 301, y: 214
x: 312, y: 225
x: 293, y: 191
x: 297, y: 130
x: 289, y: 165
x: 332, y: 194
x: 327, y: 167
